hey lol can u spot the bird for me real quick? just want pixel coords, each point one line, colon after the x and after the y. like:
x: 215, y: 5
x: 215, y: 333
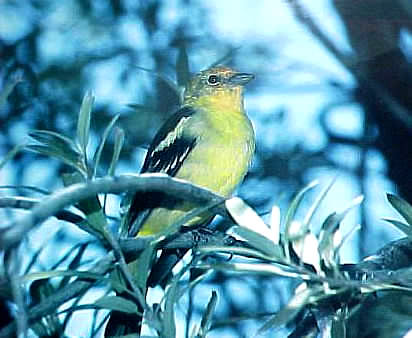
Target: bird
x: 209, y: 141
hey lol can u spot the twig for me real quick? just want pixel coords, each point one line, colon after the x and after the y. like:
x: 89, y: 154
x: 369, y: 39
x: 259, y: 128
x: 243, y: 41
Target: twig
x: 132, y: 247
x: 125, y: 270
x: 19, y: 202
x: 12, y: 234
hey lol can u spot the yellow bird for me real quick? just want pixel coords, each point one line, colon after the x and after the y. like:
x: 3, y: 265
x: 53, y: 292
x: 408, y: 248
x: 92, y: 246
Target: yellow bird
x: 210, y: 142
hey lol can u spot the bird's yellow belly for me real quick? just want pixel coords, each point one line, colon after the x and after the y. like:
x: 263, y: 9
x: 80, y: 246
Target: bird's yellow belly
x: 217, y: 177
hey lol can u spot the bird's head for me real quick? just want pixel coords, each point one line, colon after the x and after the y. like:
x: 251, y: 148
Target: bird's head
x: 221, y: 86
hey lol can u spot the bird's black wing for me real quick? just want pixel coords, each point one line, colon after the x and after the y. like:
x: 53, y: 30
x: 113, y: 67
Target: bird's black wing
x: 170, y: 147
x: 166, y: 154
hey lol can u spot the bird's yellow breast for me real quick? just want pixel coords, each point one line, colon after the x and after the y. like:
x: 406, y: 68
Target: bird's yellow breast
x: 223, y: 152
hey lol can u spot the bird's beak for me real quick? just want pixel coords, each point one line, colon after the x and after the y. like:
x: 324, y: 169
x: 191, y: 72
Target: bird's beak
x: 241, y: 78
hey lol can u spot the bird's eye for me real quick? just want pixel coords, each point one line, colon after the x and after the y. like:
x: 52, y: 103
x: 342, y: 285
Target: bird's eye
x: 213, y: 80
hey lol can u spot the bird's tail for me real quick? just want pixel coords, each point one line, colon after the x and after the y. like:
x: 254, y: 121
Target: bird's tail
x: 121, y: 324
x: 162, y: 269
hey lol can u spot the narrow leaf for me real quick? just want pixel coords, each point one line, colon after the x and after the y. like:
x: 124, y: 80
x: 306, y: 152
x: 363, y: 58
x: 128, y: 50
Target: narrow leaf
x: 338, y: 242
x: 75, y: 263
x: 257, y: 241
x: 95, y: 329
x: 59, y: 273
x: 290, y: 311
x: 401, y: 206
x: 205, y: 324
x: 246, y: 217
x: 34, y: 259
x: 307, y: 250
x: 8, y: 88
x: 243, y: 214
x: 118, y: 145
x: 333, y: 221
x: 83, y: 123
x: 116, y: 303
x: 53, y: 139
x: 405, y: 228
x: 66, y: 256
x: 290, y: 213
x: 58, y: 146
x: 140, y: 268
x: 13, y: 152
x: 252, y: 228
x: 171, y: 298
x: 70, y: 158
x: 102, y: 143
x: 317, y: 203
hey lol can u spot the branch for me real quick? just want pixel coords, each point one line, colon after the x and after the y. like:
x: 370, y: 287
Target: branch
x: 394, y: 256
x: 19, y: 202
x: 12, y: 234
x: 132, y: 247
x: 303, y: 16
x: 350, y: 62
